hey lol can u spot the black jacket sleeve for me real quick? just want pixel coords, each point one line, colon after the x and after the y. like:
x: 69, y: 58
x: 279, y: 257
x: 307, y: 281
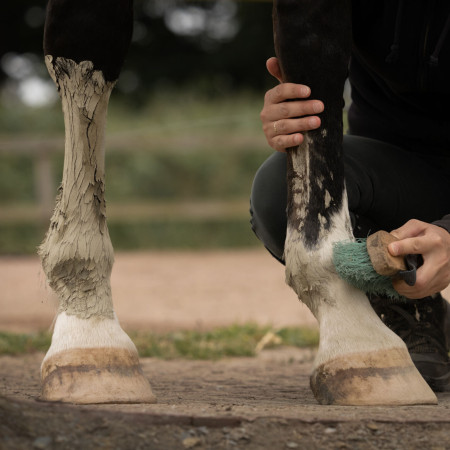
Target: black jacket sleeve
x: 444, y: 222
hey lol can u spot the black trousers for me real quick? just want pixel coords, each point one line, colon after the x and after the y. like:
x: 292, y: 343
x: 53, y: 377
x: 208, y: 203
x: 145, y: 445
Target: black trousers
x: 386, y: 187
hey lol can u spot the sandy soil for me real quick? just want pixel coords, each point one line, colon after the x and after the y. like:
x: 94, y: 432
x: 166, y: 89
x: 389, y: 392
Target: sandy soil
x: 165, y: 290
x: 254, y: 403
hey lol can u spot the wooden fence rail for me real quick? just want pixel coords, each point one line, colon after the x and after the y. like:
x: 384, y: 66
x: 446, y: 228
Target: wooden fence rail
x: 43, y: 149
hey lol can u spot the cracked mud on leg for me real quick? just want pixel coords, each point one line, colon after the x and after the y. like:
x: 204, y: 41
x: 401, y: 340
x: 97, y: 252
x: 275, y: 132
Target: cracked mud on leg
x: 91, y: 359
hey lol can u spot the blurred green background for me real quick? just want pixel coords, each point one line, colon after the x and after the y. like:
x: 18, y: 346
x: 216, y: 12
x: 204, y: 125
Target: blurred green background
x: 183, y: 136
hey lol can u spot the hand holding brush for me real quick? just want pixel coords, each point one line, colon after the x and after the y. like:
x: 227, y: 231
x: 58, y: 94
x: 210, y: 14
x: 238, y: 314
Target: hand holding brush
x: 368, y: 265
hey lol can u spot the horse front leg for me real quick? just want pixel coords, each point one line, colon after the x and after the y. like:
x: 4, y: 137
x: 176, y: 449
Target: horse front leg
x: 360, y: 361
x: 91, y: 359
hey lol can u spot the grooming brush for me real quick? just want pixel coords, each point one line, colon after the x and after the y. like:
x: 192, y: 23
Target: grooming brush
x: 368, y: 265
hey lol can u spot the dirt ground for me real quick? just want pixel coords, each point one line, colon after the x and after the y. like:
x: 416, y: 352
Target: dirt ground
x: 253, y: 403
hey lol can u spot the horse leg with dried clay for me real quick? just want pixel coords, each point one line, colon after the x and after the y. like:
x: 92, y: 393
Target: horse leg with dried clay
x: 91, y: 359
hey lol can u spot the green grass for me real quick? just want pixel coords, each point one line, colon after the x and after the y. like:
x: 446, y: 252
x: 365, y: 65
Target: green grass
x: 170, y: 234
x: 182, y: 234
x: 19, y: 344
x: 231, y: 341
x: 20, y: 238
x: 208, y: 173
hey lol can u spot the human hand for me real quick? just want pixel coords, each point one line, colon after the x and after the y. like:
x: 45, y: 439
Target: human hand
x: 283, y: 120
x: 433, y: 243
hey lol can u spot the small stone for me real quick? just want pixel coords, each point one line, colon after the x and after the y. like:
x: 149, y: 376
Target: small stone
x: 42, y: 442
x: 203, y: 430
x: 239, y: 434
x: 292, y: 445
x: 185, y: 434
x: 372, y: 426
x: 191, y: 442
x: 330, y: 430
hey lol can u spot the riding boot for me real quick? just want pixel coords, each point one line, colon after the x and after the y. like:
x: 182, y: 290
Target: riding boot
x: 424, y: 327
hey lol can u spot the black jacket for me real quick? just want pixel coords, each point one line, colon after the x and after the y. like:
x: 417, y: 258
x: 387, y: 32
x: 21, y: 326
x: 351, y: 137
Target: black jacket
x: 400, y: 75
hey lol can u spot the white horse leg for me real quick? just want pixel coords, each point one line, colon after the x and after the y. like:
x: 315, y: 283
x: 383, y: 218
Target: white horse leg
x: 360, y: 361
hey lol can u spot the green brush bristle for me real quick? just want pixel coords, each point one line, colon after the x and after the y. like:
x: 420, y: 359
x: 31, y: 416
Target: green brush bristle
x: 352, y: 263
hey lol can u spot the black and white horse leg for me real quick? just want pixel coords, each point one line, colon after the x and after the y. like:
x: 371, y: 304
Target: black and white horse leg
x: 91, y: 359
x: 360, y: 361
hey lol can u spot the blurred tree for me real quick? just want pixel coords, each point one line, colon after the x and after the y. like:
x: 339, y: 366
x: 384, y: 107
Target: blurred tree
x: 215, y: 45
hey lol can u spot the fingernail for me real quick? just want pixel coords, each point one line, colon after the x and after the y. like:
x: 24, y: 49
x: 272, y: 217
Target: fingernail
x: 318, y: 107
x: 313, y: 122
x: 304, y: 91
x: 393, y: 248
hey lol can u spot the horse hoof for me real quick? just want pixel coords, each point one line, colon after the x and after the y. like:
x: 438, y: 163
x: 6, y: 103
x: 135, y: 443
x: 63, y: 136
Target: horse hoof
x: 385, y: 377
x: 95, y: 375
